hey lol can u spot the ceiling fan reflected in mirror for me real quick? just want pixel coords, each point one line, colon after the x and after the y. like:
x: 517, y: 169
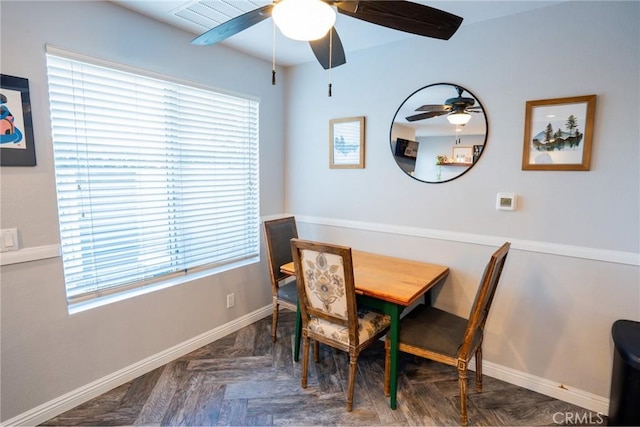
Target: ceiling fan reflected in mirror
x: 292, y: 16
x: 458, y: 109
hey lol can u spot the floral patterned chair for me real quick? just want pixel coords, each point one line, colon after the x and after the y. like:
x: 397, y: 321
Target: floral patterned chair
x: 327, y: 296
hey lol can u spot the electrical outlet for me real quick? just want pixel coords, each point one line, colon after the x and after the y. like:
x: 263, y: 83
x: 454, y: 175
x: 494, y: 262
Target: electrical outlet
x: 231, y: 300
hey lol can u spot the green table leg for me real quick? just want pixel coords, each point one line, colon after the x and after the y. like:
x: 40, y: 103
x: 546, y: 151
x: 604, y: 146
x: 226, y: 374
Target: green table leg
x: 394, y: 311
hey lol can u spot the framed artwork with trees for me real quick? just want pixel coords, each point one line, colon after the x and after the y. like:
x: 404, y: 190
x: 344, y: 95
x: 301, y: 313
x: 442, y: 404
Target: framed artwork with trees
x: 558, y: 134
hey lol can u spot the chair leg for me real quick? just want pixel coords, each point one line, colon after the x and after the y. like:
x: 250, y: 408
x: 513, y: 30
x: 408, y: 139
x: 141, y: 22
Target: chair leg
x: 387, y: 369
x: 462, y: 382
x: 274, y: 320
x: 479, y: 368
x: 298, y: 338
x: 353, y: 361
x: 316, y: 351
x: 305, y: 360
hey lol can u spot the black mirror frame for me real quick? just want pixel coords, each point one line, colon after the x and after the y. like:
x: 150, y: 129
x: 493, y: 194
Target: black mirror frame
x: 486, y: 135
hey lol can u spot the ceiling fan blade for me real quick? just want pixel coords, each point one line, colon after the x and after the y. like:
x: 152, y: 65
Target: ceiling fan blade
x: 427, y: 115
x: 233, y: 26
x: 403, y: 16
x: 434, y: 107
x: 321, y: 49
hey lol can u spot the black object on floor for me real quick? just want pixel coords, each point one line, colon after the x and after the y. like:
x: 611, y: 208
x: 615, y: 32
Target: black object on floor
x: 624, y: 407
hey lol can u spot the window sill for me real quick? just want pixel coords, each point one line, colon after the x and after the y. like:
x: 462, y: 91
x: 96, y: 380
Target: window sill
x: 79, y: 307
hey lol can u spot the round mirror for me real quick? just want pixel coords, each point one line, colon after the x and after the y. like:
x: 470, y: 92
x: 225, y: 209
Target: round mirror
x: 438, y: 133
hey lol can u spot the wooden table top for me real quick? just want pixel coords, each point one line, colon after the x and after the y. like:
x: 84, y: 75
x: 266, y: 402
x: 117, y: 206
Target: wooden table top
x: 391, y: 279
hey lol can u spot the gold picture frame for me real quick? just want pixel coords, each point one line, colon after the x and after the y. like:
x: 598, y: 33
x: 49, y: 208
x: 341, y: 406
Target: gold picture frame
x: 346, y: 143
x: 558, y: 134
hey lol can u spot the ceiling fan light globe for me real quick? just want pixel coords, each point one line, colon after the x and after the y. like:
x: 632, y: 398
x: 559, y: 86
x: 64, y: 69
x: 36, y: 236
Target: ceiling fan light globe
x: 303, y: 20
x: 459, y: 118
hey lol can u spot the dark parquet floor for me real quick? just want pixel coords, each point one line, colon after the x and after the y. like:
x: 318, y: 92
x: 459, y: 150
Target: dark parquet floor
x: 245, y: 379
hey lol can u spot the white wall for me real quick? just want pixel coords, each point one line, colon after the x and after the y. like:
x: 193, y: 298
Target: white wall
x: 573, y: 269
x: 45, y: 351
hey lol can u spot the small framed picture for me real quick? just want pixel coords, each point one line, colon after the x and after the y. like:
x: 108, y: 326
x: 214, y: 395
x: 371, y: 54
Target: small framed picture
x: 558, y: 134
x: 16, y: 129
x: 462, y: 154
x: 346, y: 143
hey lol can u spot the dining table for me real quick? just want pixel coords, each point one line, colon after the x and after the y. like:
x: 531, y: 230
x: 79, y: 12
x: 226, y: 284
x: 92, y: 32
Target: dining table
x: 389, y: 284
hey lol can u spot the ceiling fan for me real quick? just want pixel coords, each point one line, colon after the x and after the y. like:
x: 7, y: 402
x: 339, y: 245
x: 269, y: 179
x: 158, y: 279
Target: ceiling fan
x: 400, y: 15
x: 457, y: 108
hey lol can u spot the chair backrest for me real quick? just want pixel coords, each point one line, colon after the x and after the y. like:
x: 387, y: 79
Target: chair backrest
x: 277, y: 235
x: 483, y: 301
x: 326, y: 288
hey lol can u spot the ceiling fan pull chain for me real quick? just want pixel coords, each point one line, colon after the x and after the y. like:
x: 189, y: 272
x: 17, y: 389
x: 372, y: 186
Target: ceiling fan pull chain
x: 330, y: 57
x: 273, y: 56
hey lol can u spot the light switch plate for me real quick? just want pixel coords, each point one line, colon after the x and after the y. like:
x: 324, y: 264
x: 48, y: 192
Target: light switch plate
x: 9, y: 240
x: 506, y: 201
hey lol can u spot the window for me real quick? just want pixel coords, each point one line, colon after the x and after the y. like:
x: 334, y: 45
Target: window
x: 154, y: 178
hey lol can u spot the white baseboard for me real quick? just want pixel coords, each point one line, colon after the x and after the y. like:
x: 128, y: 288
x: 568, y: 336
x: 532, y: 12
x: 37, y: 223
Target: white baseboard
x: 94, y: 389
x: 544, y: 386
x: 559, y: 391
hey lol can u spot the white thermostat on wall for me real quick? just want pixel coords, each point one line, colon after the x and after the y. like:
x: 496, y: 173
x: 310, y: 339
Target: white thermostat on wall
x: 506, y: 201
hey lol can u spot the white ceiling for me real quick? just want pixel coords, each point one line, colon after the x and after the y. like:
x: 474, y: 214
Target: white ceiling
x: 198, y: 16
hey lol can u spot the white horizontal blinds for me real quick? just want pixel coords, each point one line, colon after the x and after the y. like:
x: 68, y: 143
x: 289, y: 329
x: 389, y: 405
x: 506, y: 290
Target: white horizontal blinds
x: 154, y: 178
x: 217, y: 151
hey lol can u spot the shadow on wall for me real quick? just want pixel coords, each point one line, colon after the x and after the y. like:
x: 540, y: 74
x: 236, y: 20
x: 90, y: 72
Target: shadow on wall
x: 517, y: 307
